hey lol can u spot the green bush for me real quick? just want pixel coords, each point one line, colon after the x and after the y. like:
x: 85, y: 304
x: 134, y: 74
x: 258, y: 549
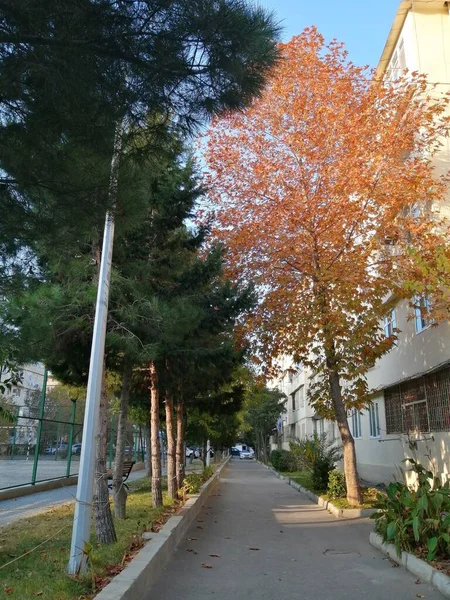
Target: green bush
x: 283, y: 460
x: 318, y: 456
x: 192, y: 483
x: 207, y: 473
x: 416, y: 518
x: 336, y: 484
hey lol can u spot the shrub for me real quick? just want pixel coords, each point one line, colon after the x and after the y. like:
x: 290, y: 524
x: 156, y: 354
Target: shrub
x: 192, y: 483
x: 317, y: 455
x: 283, y: 460
x: 336, y: 484
x: 207, y: 473
x: 416, y: 518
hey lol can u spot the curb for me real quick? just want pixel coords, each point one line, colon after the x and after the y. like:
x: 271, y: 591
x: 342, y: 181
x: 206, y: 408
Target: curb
x: 137, y: 577
x: 414, y: 565
x: 342, y: 513
x: 43, y: 486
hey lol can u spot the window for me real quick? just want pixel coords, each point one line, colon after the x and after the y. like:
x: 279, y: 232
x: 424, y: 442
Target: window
x: 301, y: 394
x: 374, y: 420
x: 293, y: 401
x: 292, y: 432
x: 420, y: 405
x: 290, y: 376
x: 319, y: 427
x: 422, y: 307
x: 390, y: 325
x: 356, y: 423
x: 398, y: 62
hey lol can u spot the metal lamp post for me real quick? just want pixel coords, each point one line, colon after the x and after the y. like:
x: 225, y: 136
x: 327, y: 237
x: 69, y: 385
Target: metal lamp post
x: 85, y: 488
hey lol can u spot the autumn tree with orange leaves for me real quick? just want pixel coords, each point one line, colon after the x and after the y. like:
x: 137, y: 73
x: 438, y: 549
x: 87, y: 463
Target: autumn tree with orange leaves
x: 317, y: 186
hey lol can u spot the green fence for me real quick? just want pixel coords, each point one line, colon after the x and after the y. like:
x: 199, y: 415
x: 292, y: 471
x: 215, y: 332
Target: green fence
x: 43, y: 440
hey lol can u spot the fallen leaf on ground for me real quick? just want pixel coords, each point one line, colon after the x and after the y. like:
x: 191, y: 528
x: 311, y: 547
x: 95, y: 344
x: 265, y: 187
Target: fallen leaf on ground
x: 227, y: 537
x: 417, y: 581
x: 192, y: 539
x: 9, y: 590
x: 191, y: 550
x: 199, y: 520
x: 39, y: 593
x: 420, y: 596
x: 206, y: 566
x: 199, y: 527
x: 253, y: 548
x: 215, y: 555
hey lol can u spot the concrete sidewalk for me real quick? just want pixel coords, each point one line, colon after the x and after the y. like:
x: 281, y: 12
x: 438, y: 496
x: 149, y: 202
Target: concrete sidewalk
x: 274, y: 544
x: 33, y: 504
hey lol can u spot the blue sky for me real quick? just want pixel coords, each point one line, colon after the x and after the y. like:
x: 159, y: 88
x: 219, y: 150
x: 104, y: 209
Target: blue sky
x: 362, y: 26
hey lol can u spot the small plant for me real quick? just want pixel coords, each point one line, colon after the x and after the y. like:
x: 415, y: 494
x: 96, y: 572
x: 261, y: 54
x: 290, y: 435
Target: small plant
x: 416, y: 517
x: 192, y: 483
x: 336, y: 484
x: 283, y: 460
x: 317, y: 455
x: 207, y: 473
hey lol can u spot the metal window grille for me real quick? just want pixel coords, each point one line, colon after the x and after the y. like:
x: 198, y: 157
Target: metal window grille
x: 419, y: 405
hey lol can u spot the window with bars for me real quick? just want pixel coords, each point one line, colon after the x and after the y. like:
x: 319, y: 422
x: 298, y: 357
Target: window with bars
x: 420, y: 405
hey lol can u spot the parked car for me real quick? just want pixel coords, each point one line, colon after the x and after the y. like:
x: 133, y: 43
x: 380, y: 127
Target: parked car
x: 235, y: 451
x: 76, y: 448
x: 50, y: 450
x: 247, y: 454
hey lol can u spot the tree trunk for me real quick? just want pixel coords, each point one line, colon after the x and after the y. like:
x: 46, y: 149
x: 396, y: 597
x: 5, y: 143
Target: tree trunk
x: 120, y: 493
x: 104, y: 525
x: 154, y: 433
x: 172, y: 487
x: 204, y: 450
x: 179, y: 452
x: 354, y: 496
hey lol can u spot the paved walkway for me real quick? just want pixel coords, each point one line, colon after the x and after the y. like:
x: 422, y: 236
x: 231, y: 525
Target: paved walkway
x: 33, y: 504
x: 274, y: 544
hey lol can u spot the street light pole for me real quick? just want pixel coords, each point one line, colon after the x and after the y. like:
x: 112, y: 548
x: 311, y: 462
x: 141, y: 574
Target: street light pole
x: 83, y: 500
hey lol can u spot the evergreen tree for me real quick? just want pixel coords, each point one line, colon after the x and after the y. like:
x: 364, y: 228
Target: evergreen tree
x: 70, y: 73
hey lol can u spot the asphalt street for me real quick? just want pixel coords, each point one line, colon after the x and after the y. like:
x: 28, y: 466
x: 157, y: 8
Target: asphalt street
x: 258, y: 538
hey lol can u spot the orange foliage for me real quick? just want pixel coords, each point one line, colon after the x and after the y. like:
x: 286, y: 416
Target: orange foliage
x: 314, y: 186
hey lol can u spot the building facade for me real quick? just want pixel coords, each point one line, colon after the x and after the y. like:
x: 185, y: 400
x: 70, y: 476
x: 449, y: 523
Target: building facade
x: 410, y: 413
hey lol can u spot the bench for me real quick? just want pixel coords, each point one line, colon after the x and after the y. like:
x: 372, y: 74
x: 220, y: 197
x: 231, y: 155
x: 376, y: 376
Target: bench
x: 127, y: 466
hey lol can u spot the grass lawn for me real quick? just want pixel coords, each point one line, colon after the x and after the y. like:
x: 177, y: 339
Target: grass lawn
x: 305, y: 480
x: 41, y: 574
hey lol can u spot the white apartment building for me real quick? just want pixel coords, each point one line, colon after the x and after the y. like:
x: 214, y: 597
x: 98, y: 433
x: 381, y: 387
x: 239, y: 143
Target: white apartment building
x: 410, y: 413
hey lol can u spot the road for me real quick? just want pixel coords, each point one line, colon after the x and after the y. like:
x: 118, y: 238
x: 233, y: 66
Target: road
x: 274, y: 543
